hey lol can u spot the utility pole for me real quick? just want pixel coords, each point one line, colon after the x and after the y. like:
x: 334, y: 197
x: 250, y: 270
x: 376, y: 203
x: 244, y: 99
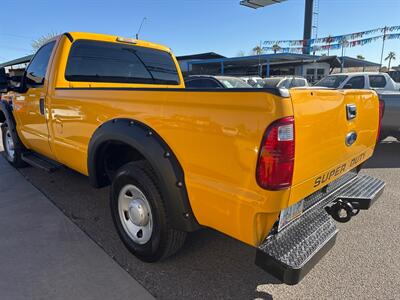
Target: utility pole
x: 344, y: 43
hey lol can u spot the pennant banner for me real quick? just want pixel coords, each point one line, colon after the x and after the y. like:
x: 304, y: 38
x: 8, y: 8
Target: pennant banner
x: 343, y: 43
x: 336, y: 38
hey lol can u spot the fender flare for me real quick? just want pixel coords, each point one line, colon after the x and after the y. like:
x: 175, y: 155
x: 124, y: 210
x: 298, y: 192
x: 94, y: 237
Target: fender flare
x: 156, y: 151
x: 7, y: 109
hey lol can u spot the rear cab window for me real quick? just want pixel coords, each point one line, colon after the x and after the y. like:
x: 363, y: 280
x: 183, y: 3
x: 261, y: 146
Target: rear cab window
x: 108, y: 62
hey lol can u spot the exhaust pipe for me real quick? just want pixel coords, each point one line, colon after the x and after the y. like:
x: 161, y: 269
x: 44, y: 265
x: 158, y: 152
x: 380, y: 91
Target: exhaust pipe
x: 342, y: 211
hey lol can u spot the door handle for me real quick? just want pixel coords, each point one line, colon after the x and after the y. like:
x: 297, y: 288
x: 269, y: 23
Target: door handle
x: 41, y: 105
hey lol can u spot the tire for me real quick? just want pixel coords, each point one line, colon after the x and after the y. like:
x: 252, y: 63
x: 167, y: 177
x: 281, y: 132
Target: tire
x: 12, y: 152
x: 135, y: 195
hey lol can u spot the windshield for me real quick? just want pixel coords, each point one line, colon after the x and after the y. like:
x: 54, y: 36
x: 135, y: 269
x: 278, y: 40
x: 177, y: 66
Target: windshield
x: 232, y: 83
x: 332, y: 81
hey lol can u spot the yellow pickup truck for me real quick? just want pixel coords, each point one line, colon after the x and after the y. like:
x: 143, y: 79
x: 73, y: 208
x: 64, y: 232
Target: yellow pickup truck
x: 269, y: 167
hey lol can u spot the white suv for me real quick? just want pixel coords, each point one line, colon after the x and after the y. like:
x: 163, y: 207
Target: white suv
x: 362, y: 80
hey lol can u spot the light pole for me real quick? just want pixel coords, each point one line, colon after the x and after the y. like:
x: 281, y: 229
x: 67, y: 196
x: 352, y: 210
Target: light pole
x: 344, y: 43
x: 383, y: 47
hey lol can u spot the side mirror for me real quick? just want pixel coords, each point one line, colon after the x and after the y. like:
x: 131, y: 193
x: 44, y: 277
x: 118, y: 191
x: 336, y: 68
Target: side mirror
x: 348, y: 86
x: 3, y: 81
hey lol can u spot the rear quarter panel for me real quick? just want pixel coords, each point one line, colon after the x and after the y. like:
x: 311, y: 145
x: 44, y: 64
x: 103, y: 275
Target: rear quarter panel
x: 214, y: 135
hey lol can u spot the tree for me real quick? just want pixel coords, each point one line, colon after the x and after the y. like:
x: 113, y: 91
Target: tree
x: 39, y: 42
x: 276, y: 48
x: 240, y: 53
x: 359, y: 56
x: 391, y: 56
x: 257, y: 50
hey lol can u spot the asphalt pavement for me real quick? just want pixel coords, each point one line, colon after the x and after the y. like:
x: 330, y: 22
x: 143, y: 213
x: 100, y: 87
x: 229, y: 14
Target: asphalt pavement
x: 364, y: 263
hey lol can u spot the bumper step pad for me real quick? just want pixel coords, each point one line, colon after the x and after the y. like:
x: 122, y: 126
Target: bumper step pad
x: 363, y: 192
x: 291, y: 253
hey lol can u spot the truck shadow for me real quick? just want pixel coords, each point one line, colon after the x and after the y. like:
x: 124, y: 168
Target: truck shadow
x: 387, y: 155
x: 210, y: 265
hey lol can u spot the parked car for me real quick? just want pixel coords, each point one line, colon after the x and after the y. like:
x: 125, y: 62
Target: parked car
x: 215, y: 82
x: 285, y: 82
x: 269, y: 168
x: 360, y: 80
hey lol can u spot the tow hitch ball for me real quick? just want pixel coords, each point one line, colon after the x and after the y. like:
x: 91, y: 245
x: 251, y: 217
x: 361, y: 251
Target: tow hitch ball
x: 342, y: 211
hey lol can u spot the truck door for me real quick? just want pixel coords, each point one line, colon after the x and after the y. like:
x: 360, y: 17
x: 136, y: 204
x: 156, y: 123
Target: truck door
x: 29, y: 107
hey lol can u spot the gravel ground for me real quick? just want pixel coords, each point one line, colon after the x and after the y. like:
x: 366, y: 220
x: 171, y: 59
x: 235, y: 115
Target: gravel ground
x: 364, y: 263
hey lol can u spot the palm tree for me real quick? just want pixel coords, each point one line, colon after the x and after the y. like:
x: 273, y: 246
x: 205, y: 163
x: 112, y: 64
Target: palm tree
x: 359, y: 56
x: 257, y: 50
x: 276, y: 48
x: 39, y: 42
x: 391, y: 56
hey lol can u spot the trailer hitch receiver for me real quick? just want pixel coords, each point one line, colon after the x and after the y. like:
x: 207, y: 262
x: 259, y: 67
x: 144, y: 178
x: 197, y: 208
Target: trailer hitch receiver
x: 342, y: 211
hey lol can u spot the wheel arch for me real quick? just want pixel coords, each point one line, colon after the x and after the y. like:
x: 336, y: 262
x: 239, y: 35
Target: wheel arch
x: 155, y: 150
x: 2, y: 116
x: 6, y: 115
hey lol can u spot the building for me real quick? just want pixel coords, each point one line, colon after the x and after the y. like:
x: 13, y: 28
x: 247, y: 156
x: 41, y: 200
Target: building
x: 313, y: 67
x: 394, y: 72
x: 183, y: 60
x: 16, y: 68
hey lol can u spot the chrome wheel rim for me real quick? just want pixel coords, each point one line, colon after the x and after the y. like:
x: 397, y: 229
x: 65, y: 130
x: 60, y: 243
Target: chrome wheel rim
x: 135, y: 214
x: 9, y: 143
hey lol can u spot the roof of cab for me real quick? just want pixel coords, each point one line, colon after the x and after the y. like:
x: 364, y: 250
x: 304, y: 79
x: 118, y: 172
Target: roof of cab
x: 113, y: 39
x: 359, y: 73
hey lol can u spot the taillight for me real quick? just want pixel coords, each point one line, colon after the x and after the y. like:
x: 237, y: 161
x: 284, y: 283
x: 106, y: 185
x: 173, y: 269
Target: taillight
x: 381, y: 110
x: 276, y: 155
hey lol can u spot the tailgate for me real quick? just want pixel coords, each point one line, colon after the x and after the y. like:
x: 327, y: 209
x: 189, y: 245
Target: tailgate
x: 324, y: 132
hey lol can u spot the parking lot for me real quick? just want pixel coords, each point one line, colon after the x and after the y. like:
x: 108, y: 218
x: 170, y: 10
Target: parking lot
x: 364, y: 263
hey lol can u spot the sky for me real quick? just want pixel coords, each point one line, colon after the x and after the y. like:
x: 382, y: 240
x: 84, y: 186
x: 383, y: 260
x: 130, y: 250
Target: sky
x: 194, y: 26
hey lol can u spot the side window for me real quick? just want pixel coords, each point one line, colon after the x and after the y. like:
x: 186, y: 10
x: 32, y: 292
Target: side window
x: 310, y: 75
x: 36, y: 71
x: 299, y: 83
x: 320, y: 74
x: 356, y: 82
x: 377, y: 81
x: 285, y: 84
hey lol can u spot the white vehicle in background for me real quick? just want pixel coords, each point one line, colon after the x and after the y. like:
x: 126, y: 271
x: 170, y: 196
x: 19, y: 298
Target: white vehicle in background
x: 361, y: 80
x: 287, y: 82
x: 254, y: 81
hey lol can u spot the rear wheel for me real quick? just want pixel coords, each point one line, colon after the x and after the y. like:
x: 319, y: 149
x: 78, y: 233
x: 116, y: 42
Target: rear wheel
x: 12, y: 152
x: 139, y: 214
